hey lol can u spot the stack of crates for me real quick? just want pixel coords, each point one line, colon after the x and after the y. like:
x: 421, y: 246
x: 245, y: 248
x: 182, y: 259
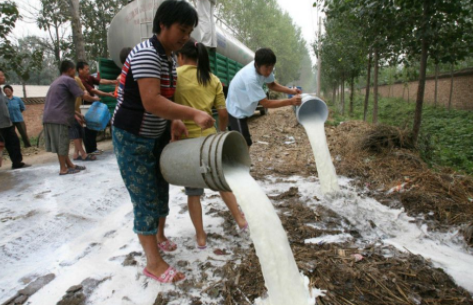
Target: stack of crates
x: 223, y: 67
x: 108, y: 70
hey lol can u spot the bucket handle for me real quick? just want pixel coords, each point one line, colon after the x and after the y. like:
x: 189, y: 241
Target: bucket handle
x: 205, y: 169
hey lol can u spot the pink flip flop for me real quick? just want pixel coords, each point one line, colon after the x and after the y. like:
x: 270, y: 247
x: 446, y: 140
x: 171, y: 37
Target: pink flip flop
x: 201, y: 247
x: 244, y: 232
x: 164, y: 278
x: 167, y: 246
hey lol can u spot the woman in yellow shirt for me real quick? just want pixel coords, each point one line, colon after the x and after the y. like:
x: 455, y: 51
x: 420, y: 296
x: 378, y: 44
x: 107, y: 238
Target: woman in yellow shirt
x: 198, y: 88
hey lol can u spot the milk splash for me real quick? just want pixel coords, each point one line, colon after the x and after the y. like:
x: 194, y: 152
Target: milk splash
x: 282, y: 278
x: 327, y: 175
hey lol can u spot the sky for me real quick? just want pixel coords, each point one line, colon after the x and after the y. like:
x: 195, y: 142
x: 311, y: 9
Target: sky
x: 305, y: 16
x: 301, y: 11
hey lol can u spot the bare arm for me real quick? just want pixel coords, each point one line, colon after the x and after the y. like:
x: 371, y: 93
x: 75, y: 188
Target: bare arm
x: 89, y: 98
x: 294, y: 101
x: 277, y: 87
x: 108, y: 82
x: 222, y: 119
x: 101, y: 93
x: 157, y: 104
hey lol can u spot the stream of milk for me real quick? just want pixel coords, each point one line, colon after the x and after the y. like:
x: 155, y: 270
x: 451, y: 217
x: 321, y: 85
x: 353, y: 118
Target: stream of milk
x: 327, y: 175
x: 282, y: 278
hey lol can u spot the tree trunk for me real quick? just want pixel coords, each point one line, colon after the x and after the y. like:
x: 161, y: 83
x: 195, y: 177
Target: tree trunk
x: 342, y: 97
x: 352, y: 94
x: 334, y: 95
x: 23, y: 83
x: 421, y: 89
x: 408, y: 94
x: 451, y: 89
x: 57, y: 47
x: 436, y: 84
x: 77, y: 36
x: 367, y: 94
x: 375, y: 89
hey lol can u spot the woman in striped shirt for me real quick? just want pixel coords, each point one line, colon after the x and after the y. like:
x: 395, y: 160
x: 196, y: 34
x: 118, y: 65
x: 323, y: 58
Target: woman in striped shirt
x: 142, y: 123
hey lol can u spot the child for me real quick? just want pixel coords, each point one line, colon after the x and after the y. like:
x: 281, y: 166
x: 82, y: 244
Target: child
x: 200, y: 89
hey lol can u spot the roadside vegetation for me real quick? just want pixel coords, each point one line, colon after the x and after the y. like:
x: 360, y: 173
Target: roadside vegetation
x: 446, y: 137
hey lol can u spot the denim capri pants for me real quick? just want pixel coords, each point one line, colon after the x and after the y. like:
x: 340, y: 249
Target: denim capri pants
x: 138, y: 160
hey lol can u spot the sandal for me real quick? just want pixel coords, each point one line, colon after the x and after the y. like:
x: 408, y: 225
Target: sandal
x: 79, y: 167
x: 167, y: 246
x: 70, y: 171
x: 244, y: 232
x: 88, y: 158
x: 166, y: 277
x: 97, y: 152
x: 201, y: 247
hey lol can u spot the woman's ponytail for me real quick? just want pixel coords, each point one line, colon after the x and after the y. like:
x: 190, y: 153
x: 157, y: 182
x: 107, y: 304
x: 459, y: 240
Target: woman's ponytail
x: 203, y: 64
x: 197, y: 51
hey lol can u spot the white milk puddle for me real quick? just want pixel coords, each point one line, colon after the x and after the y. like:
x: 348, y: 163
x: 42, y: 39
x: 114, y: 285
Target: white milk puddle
x: 327, y: 175
x: 282, y: 278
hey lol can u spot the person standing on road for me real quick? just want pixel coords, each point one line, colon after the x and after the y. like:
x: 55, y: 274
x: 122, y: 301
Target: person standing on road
x: 7, y: 131
x: 59, y: 116
x: 76, y: 132
x: 198, y: 88
x: 246, y: 91
x: 142, y: 121
x: 16, y: 107
x: 90, y: 136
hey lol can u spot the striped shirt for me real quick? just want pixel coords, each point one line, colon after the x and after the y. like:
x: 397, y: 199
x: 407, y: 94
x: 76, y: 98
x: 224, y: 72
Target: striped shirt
x: 147, y: 60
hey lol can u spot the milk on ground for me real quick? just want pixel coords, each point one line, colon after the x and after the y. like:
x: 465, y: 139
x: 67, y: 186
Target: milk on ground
x: 327, y: 175
x: 284, y: 283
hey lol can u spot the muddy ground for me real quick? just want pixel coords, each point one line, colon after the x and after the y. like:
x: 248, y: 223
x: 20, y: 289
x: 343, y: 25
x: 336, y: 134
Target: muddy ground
x: 382, y: 165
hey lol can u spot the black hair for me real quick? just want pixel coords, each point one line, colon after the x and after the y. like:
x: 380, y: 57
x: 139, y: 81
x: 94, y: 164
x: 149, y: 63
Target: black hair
x: 124, y: 54
x: 197, y: 51
x: 7, y: 87
x: 65, y: 66
x: 1, y: 70
x: 265, y: 57
x: 172, y: 11
x: 81, y: 64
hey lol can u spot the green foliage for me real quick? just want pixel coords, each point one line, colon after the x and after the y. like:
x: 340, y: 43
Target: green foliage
x: 407, y: 31
x: 446, y: 137
x: 52, y: 18
x: 17, y: 59
x: 43, y: 71
x: 8, y: 16
x: 96, y: 16
x: 262, y: 23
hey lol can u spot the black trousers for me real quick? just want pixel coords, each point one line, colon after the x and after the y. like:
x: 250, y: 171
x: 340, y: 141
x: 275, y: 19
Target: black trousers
x: 240, y: 125
x: 90, y: 140
x: 12, y: 144
x: 21, y: 127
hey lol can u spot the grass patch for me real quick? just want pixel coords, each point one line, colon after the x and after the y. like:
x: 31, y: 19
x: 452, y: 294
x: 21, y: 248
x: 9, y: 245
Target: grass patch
x: 446, y: 137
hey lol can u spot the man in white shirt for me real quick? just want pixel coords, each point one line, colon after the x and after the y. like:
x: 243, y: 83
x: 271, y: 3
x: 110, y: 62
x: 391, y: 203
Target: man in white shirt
x: 246, y: 91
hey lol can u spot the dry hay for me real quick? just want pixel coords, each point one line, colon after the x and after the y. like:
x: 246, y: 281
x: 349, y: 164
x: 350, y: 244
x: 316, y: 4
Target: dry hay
x: 386, y: 137
x: 399, y: 173
x: 380, y: 158
x: 382, y: 276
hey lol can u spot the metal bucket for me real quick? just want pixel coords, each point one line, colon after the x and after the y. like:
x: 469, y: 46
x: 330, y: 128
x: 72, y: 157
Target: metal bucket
x: 202, y: 162
x: 312, y: 109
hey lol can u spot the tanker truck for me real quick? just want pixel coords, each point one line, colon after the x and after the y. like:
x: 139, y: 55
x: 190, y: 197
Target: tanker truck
x: 134, y: 23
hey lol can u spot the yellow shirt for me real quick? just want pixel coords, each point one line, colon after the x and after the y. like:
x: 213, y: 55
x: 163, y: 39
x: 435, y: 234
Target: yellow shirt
x: 190, y: 93
x: 79, y: 99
